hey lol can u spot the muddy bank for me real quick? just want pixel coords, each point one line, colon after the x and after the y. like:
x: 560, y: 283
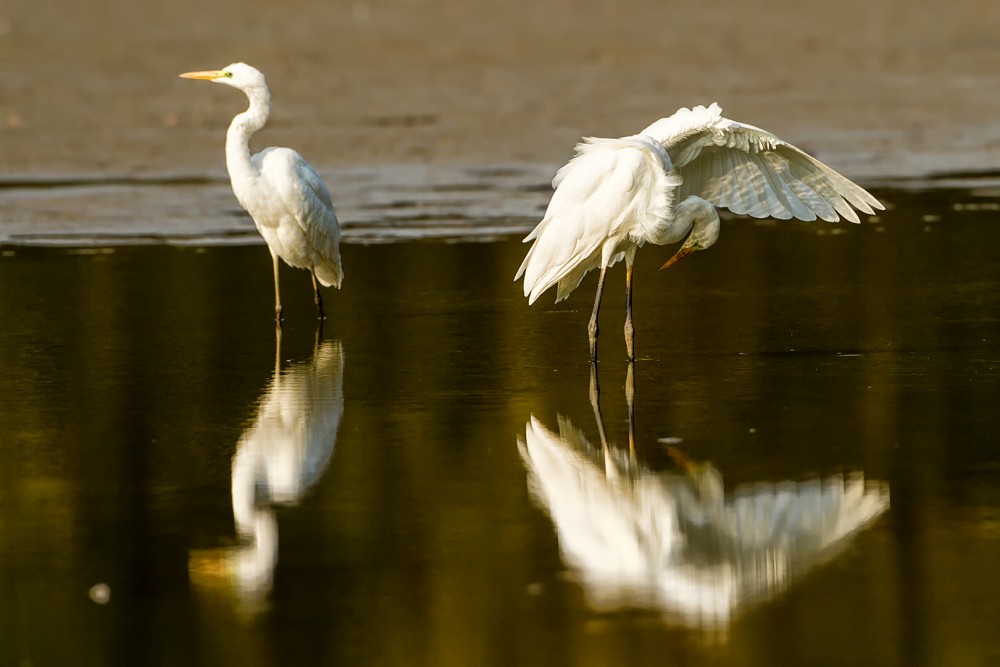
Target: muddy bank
x: 878, y: 90
x: 875, y: 88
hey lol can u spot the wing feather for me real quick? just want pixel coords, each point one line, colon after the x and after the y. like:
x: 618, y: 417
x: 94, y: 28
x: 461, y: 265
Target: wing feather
x: 305, y: 198
x: 778, y: 205
x: 820, y: 207
x: 752, y: 172
x: 749, y: 178
x: 319, y: 223
x: 777, y: 169
x: 809, y: 166
x: 607, y: 191
x: 733, y: 191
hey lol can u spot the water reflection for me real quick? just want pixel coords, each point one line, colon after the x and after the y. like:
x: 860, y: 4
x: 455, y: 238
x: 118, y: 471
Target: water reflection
x: 678, y: 541
x: 278, y: 458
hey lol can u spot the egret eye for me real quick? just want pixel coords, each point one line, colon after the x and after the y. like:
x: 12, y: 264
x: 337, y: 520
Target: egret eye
x: 228, y: 75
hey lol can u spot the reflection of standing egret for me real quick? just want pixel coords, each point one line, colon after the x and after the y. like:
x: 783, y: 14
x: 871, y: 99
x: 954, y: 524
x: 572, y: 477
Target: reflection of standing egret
x: 286, y: 198
x: 663, y: 184
x: 283, y: 453
x: 679, y: 542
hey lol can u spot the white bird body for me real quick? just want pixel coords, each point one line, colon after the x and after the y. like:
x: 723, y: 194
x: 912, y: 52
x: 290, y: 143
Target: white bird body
x: 282, y: 455
x: 288, y: 201
x: 293, y: 194
x: 610, y: 199
x: 665, y: 183
x: 681, y: 543
x: 278, y: 459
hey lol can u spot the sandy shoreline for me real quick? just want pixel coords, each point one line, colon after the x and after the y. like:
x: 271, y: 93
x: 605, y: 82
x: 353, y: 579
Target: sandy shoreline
x: 877, y: 90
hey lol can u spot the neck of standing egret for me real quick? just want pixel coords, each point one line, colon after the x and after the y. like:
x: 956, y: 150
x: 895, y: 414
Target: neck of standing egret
x: 241, y: 129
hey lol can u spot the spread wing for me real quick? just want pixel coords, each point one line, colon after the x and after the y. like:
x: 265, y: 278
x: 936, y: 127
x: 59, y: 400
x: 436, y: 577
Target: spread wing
x: 752, y: 172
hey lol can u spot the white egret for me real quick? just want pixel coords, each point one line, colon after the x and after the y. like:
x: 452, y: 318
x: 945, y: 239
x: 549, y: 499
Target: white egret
x: 665, y: 183
x: 288, y: 201
x: 278, y: 459
x: 682, y: 543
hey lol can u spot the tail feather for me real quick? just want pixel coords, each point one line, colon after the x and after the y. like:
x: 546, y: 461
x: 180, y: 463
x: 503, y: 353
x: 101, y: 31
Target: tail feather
x: 329, y: 272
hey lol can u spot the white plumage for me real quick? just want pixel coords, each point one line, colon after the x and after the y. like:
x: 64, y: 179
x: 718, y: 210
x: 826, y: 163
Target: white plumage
x: 288, y: 201
x: 663, y: 184
x: 279, y: 457
x: 682, y: 543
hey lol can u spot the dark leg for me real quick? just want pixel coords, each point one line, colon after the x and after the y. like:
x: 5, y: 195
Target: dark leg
x: 318, y: 337
x: 595, y: 403
x: 593, y: 317
x: 277, y: 349
x: 630, y: 403
x: 277, y: 291
x: 317, y: 299
x: 629, y: 329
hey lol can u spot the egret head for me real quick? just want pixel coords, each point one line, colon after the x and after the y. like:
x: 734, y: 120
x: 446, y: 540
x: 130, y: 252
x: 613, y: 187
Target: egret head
x: 237, y: 75
x: 705, y: 227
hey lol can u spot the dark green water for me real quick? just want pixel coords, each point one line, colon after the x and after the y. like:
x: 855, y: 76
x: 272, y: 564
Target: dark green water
x: 164, y: 499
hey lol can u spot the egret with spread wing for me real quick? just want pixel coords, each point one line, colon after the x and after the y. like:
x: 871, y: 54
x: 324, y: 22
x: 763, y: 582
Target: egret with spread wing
x: 665, y: 183
x: 288, y: 201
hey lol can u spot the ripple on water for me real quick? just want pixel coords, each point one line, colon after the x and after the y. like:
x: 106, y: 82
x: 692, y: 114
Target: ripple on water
x: 374, y: 204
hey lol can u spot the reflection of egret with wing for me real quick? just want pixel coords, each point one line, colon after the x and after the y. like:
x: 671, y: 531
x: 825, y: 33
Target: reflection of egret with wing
x: 283, y: 453
x: 679, y: 542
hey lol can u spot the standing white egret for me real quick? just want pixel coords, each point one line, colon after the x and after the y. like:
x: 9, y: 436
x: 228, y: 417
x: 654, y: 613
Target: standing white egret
x: 288, y: 201
x: 663, y: 184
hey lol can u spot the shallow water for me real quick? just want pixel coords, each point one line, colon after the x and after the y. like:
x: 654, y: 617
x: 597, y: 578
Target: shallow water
x: 814, y: 475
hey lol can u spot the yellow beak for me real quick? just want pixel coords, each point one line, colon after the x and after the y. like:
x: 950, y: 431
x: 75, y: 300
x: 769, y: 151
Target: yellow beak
x: 204, y: 76
x: 678, y: 256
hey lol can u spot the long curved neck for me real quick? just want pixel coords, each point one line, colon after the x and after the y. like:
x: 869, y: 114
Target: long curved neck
x: 242, y: 128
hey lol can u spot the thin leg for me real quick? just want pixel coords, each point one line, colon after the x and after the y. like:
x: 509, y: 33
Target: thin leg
x: 630, y: 403
x: 277, y: 350
x: 592, y: 329
x: 317, y: 299
x: 277, y: 291
x: 629, y: 329
x: 595, y: 403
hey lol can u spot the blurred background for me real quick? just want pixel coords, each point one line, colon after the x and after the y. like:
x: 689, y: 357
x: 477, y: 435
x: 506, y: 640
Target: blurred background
x: 877, y: 89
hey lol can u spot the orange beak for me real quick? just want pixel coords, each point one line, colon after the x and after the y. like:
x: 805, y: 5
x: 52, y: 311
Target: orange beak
x: 678, y: 256
x: 204, y: 76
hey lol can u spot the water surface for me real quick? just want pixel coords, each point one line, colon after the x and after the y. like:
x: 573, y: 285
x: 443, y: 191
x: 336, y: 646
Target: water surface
x: 813, y: 477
